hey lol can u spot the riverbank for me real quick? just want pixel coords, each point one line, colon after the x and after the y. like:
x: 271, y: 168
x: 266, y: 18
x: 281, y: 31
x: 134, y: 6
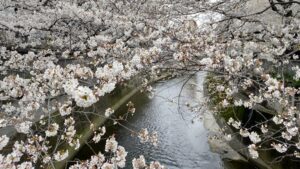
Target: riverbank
x: 118, y: 98
x: 182, y: 138
x: 235, y: 147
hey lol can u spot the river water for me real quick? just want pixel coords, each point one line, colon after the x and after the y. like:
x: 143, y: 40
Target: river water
x: 182, y: 136
x: 183, y: 141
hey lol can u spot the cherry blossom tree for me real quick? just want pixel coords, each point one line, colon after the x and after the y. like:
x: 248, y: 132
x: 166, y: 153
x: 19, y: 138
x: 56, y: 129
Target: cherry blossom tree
x: 64, y: 56
x: 254, y: 54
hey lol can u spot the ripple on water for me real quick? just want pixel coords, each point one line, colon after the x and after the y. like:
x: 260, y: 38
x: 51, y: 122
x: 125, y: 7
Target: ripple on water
x: 182, y: 144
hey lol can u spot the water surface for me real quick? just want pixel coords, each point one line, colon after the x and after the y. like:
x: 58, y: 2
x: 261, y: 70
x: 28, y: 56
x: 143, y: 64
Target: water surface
x: 182, y: 136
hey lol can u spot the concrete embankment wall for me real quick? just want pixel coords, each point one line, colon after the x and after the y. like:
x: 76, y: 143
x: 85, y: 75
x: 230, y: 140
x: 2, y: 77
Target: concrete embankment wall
x: 115, y: 101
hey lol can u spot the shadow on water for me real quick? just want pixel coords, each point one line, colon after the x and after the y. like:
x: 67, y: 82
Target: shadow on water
x: 182, y: 141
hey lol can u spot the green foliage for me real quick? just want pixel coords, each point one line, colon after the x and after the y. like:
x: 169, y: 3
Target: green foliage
x: 216, y: 98
x: 234, y: 112
x: 290, y: 81
x: 288, y: 77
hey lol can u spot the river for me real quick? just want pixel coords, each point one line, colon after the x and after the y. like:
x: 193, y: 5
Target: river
x: 182, y: 136
x: 183, y: 141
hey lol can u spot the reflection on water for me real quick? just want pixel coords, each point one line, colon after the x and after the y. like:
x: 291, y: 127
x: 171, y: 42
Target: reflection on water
x: 182, y: 143
x: 182, y: 136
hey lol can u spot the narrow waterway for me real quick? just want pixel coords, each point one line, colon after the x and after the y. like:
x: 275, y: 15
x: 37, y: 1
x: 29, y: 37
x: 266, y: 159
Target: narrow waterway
x: 182, y: 136
x: 183, y: 141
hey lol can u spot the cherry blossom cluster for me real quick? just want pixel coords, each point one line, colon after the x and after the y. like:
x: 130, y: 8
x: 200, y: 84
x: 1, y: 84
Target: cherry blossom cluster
x: 255, y: 64
x: 58, y: 58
